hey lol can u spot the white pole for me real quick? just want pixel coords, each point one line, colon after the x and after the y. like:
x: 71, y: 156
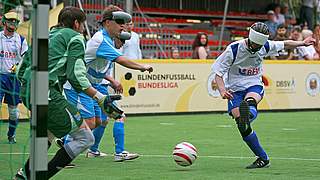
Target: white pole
x: 85, y: 23
x: 223, y: 23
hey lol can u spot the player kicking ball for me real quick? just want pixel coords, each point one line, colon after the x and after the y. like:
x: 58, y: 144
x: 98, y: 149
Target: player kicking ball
x: 238, y: 74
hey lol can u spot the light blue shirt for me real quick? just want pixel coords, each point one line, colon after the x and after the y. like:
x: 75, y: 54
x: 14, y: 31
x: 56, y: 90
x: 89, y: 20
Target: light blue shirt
x: 100, y: 55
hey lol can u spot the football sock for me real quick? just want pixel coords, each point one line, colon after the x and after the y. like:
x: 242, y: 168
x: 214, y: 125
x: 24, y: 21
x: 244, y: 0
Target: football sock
x: 97, y: 133
x: 12, y: 127
x: 253, y: 113
x: 118, y: 135
x: 253, y: 142
x: 58, y: 162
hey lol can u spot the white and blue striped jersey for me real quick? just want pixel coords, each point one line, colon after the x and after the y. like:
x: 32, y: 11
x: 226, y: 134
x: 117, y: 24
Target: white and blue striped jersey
x: 100, y: 55
x: 12, y: 50
x: 241, y: 69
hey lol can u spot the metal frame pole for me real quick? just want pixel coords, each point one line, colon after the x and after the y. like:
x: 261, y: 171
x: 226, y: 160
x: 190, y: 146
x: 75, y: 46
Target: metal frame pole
x: 223, y: 23
x: 39, y: 91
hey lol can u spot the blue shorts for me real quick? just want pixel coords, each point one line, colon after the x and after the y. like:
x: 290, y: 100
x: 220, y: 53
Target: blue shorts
x: 87, y: 106
x: 9, y: 89
x: 239, y: 96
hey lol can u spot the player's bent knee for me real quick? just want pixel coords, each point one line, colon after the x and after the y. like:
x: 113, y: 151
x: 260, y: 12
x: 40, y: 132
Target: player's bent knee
x: 13, y: 112
x: 252, y: 108
x: 86, y: 138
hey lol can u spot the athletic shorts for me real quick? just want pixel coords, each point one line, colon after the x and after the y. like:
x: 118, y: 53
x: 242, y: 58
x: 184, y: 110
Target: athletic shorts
x: 239, y: 96
x: 63, y: 117
x: 9, y: 89
x: 87, y: 106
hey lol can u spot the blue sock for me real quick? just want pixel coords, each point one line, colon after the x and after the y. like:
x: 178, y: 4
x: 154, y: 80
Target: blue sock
x: 12, y: 128
x: 118, y: 135
x: 253, y: 113
x: 97, y: 133
x: 253, y: 142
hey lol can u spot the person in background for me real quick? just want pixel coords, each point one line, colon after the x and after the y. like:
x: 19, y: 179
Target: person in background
x: 131, y: 48
x: 296, y: 36
x: 278, y: 17
x: 199, y: 46
x: 308, y: 52
x: 316, y: 35
x: 281, y: 35
x: 13, y: 46
x: 307, y: 12
x: 175, y: 53
x: 272, y: 25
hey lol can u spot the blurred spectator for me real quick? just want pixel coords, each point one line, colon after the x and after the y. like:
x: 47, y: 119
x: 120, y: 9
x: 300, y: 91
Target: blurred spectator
x: 281, y: 36
x: 199, y: 46
x: 306, y: 12
x: 290, y: 20
x: 318, y: 12
x: 175, y: 53
x: 316, y: 35
x: 296, y: 36
x: 308, y: 52
x: 131, y: 48
x: 272, y: 25
x: 278, y: 17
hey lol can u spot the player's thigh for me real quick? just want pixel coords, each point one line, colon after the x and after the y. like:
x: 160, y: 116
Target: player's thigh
x: 256, y: 92
x: 233, y: 104
x: 63, y: 117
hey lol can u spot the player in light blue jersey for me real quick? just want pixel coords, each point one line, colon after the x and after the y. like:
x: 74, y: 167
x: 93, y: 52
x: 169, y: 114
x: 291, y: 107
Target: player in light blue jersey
x: 101, y: 54
x: 238, y: 74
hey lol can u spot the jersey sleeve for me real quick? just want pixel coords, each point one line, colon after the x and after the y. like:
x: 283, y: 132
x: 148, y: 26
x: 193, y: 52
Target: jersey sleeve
x: 275, y: 47
x: 223, y: 62
x: 76, y: 69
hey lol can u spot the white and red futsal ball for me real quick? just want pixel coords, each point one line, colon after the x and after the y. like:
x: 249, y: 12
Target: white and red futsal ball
x: 184, y: 154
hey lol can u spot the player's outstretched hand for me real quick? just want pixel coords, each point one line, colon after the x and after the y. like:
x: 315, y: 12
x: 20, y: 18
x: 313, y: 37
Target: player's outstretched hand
x: 147, y: 68
x: 227, y: 94
x: 309, y: 41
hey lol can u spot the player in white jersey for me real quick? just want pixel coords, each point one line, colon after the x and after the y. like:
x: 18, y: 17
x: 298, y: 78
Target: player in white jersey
x: 12, y: 48
x: 238, y: 74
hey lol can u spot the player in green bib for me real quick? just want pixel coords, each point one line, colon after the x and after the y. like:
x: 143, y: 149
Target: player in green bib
x: 66, y: 63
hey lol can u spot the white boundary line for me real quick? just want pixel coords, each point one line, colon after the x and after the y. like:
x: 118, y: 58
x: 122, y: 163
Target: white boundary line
x: 210, y: 156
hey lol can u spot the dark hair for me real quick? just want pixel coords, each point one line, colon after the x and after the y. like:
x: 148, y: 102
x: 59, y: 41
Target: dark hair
x: 197, y: 40
x: 260, y: 27
x: 281, y: 26
x: 68, y: 15
x: 107, y: 12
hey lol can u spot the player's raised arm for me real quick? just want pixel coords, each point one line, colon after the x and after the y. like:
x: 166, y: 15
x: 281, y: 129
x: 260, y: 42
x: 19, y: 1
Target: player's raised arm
x: 133, y: 65
x: 290, y: 44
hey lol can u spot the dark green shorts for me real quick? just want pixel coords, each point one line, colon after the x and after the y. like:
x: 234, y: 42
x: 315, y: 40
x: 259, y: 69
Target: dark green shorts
x: 63, y: 117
